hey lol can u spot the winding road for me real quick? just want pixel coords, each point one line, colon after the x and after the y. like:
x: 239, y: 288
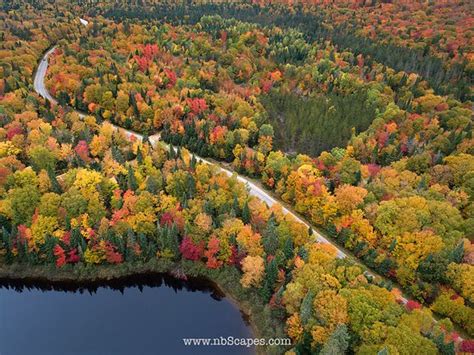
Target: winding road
x: 254, y: 189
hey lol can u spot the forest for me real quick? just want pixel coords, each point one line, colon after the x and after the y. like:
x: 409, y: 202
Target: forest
x: 350, y: 115
x: 421, y: 53
x: 318, y: 124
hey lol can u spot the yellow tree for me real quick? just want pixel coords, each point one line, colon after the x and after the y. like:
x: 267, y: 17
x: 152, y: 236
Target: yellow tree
x: 253, y: 268
x: 462, y: 279
x: 348, y: 197
x: 250, y: 241
x: 411, y: 249
x: 294, y: 327
x: 330, y: 310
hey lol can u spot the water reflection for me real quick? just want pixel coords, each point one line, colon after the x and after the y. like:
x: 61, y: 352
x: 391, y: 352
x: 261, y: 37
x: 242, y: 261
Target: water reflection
x: 147, y: 314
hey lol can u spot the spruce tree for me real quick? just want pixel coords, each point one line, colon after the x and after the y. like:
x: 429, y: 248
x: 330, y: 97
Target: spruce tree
x: 246, y: 216
x: 338, y: 342
x: 190, y: 186
x: 48, y: 249
x: 193, y: 162
x: 171, y: 153
x: 288, y: 249
x: 161, y: 237
x: 55, y: 187
x: 152, y: 185
x: 303, y: 254
x: 306, y: 309
x: 458, y: 253
x: 129, y: 255
x: 270, y: 237
x: 173, y: 240
x: 271, y: 275
x: 117, y: 154
x: 139, y: 156
x: 131, y: 179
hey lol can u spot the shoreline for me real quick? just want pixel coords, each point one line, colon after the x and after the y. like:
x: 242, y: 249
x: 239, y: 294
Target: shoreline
x: 155, y: 274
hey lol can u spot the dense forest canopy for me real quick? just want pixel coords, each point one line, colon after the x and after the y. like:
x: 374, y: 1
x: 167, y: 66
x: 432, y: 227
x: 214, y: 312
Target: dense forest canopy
x: 353, y: 115
x: 439, y: 56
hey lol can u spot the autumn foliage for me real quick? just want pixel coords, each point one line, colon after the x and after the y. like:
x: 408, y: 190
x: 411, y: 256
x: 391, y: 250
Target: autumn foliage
x: 342, y: 119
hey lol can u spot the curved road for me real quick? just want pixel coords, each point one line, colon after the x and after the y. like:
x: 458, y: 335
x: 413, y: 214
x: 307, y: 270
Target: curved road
x: 253, y: 188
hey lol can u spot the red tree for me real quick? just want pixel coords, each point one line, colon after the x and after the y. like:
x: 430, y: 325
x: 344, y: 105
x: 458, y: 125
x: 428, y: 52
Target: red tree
x: 73, y: 257
x: 150, y: 51
x: 197, y: 105
x: 166, y: 219
x: 82, y: 150
x: 213, y: 247
x: 412, y: 305
x: 190, y: 250
x: 467, y: 346
x: 60, y: 255
x: 13, y: 131
x: 171, y: 76
x: 143, y: 62
x: 112, y: 255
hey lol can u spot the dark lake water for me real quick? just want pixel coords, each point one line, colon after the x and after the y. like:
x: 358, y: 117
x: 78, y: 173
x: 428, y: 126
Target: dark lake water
x: 149, y: 315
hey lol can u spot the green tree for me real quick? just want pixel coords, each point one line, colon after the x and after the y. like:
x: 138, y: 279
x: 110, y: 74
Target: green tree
x: 306, y: 310
x: 338, y: 342
x: 288, y: 248
x: 271, y: 275
x: 246, y: 216
x: 73, y: 203
x: 131, y: 179
x: 266, y: 130
x: 42, y: 158
x: 270, y: 238
x: 24, y: 201
x: 55, y: 187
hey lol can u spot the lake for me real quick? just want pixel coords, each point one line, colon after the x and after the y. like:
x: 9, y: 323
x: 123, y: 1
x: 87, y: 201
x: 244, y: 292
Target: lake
x: 145, y: 315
